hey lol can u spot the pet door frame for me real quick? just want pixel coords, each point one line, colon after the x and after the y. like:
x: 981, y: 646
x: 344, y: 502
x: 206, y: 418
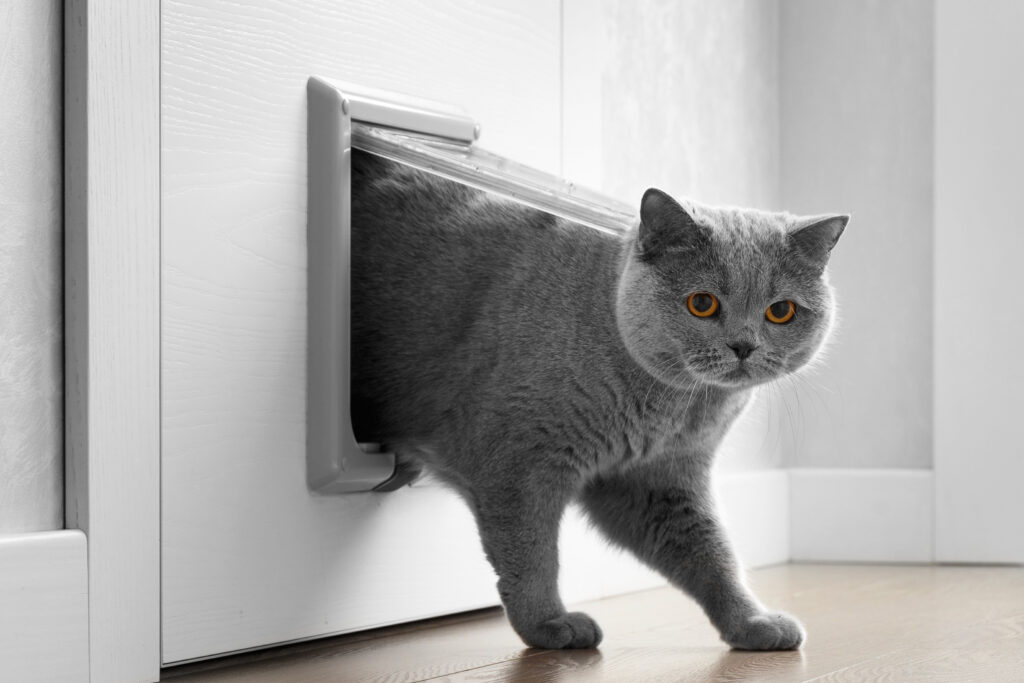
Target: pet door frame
x: 433, y: 137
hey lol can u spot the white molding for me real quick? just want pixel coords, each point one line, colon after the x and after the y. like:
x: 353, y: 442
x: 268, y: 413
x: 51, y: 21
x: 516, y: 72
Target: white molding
x: 861, y: 515
x: 755, y: 508
x: 593, y: 568
x: 112, y: 314
x: 44, y: 627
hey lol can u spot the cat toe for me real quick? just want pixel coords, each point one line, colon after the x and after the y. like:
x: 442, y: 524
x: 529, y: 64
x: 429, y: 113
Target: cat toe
x: 768, y: 631
x: 574, y: 630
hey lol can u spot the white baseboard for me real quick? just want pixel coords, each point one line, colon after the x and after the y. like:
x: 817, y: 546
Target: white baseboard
x: 754, y: 506
x: 592, y: 568
x: 861, y: 515
x: 44, y: 607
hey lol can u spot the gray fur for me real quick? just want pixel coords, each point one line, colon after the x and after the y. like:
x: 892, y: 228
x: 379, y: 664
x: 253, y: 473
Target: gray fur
x: 530, y: 361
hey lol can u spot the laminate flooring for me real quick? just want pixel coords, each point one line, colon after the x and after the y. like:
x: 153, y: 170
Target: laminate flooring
x: 864, y: 623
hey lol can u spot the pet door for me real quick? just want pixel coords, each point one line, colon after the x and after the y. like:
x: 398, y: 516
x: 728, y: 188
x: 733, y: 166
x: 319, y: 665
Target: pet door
x: 430, y: 137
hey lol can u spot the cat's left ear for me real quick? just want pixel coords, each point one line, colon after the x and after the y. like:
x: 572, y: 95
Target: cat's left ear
x: 814, y: 237
x: 664, y: 225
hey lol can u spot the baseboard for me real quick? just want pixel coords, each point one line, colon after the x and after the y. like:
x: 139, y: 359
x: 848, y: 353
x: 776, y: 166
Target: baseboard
x: 754, y: 506
x: 861, y: 515
x: 44, y: 603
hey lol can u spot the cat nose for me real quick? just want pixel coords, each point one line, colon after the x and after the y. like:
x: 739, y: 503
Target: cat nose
x: 742, y: 349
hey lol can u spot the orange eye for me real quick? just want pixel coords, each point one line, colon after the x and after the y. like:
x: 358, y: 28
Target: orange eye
x: 702, y: 304
x: 780, y: 312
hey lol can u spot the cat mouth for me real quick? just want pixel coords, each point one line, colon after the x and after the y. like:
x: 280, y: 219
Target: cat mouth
x: 738, y: 372
x: 740, y: 375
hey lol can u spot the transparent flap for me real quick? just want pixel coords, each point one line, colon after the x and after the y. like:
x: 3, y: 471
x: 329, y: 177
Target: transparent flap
x: 470, y: 165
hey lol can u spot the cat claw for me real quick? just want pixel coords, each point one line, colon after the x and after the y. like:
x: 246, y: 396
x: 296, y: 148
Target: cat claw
x: 767, y: 631
x: 574, y: 630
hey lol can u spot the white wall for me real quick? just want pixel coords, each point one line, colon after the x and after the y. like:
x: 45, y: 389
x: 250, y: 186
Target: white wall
x: 683, y: 96
x: 31, y: 281
x: 699, y: 75
x: 856, y: 132
x: 801, y: 105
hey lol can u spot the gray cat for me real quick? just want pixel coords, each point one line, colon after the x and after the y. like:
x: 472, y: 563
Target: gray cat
x: 530, y: 361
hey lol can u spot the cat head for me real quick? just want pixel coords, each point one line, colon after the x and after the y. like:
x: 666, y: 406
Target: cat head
x: 731, y: 297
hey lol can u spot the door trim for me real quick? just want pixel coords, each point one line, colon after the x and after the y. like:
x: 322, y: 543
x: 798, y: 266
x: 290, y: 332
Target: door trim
x: 44, y: 602
x: 112, y: 324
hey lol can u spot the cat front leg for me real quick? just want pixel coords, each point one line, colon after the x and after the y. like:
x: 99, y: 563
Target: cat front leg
x: 518, y: 526
x: 668, y: 521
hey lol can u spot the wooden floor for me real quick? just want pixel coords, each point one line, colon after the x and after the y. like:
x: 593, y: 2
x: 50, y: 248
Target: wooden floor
x: 864, y: 623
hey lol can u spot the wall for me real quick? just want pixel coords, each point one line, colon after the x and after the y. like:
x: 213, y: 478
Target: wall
x: 856, y: 136
x: 31, y: 367
x: 701, y: 75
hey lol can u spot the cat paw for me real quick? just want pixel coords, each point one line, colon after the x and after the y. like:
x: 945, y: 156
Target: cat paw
x: 573, y: 630
x: 767, y: 631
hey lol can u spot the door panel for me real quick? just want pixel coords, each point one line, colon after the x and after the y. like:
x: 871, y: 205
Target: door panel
x: 249, y: 556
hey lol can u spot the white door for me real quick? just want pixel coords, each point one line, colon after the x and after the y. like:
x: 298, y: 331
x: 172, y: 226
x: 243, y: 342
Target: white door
x: 249, y: 556
x: 979, y: 282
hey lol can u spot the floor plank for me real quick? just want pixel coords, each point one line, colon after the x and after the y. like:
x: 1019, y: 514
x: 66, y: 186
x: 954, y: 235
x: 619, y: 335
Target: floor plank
x: 865, y: 622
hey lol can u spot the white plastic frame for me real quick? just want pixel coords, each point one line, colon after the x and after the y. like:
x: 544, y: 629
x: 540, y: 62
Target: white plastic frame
x: 433, y: 137
x: 335, y: 463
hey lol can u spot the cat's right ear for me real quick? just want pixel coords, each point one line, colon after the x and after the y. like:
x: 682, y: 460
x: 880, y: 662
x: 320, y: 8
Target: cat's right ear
x: 664, y: 224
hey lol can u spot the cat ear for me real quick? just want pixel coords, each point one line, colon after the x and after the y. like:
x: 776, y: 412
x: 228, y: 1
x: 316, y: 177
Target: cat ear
x: 814, y: 237
x: 663, y: 224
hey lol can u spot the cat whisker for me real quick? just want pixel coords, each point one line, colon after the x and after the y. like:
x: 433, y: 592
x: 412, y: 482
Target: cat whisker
x: 669, y: 389
x: 693, y: 390
x: 771, y: 427
x: 665, y: 369
x: 799, y: 408
x: 799, y: 381
x: 789, y: 413
x: 792, y: 387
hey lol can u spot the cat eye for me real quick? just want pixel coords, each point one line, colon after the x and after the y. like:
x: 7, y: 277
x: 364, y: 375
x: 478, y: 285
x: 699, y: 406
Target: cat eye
x: 702, y: 304
x: 780, y: 312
